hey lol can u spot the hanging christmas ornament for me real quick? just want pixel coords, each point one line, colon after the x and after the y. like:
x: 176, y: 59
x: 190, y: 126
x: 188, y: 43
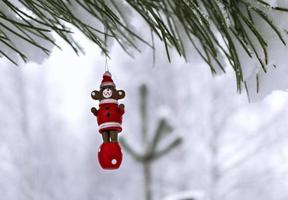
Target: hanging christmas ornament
x: 109, y: 119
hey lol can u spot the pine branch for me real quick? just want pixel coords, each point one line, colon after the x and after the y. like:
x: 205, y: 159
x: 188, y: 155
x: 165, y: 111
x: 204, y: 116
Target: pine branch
x: 163, y: 127
x: 167, y: 149
x: 202, y: 21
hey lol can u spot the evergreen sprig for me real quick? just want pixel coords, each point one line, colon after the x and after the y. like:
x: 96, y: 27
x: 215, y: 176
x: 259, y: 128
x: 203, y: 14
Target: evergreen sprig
x: 215, y: 28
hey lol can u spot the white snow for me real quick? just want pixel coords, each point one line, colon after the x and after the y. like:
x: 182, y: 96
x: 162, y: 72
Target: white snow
x: 187, y: 195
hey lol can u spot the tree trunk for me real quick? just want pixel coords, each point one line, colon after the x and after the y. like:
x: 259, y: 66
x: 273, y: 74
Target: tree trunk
x: 147, y: 181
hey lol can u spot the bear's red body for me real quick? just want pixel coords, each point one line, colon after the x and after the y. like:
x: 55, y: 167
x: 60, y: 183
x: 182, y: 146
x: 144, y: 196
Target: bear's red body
x: 109, y: 116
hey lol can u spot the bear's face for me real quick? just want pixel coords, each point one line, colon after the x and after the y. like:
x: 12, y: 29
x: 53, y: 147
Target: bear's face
x: 108, y: 92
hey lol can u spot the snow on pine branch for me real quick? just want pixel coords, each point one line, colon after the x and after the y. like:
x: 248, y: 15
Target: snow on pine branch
x: 262, y: 81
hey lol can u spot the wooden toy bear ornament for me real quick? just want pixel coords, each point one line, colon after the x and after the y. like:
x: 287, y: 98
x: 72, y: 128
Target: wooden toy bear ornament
x: 109, y: 119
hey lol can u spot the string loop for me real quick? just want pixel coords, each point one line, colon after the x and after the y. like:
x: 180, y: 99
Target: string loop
x: 106, y: 64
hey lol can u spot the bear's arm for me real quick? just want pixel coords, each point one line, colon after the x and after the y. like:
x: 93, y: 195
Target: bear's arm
x: 121, y: 109
x: 94, y: 111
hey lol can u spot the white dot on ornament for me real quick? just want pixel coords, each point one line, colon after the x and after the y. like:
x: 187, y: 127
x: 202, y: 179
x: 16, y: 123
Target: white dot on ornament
x: 93, y: 93
x: 114, y: 161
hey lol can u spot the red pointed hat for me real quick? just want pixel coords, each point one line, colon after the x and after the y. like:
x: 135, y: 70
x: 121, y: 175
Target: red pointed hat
x: 107, y: 80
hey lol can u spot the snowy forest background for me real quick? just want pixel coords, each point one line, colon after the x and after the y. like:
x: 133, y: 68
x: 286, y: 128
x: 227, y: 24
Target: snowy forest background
x: 231, y: 149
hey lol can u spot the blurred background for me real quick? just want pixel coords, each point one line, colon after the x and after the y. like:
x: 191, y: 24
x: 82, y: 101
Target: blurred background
x: 190, y: 136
